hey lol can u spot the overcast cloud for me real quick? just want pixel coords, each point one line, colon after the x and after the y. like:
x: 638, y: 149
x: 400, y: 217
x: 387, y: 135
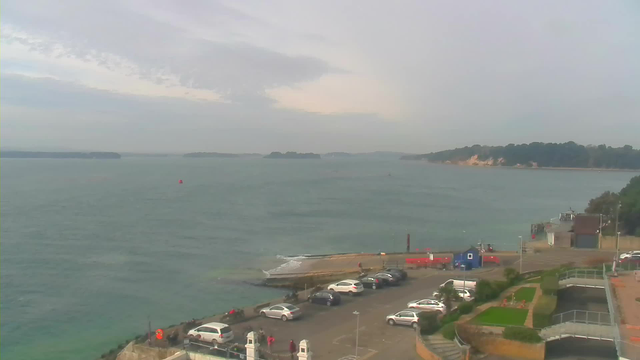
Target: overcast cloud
x: 255, y: 76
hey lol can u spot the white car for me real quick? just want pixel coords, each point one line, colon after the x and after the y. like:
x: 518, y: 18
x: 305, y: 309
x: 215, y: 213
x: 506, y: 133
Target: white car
x: 213, y: 332
x: 350, y: 287
x: 629, y: 254
x: 465, y: 294
x: 427, y: 304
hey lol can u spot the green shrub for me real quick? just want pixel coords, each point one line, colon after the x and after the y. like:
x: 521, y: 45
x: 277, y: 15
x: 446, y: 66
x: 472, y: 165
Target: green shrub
x: 428, y: 322
x: 549, y: 285
x: 500, y: 286
x: 511, y: 275
x: 485, y: 291
x: 465, y: 308
x: 521, y: 334
x: 450, y: 317
x: 545, y: 306
x: 449, y: 331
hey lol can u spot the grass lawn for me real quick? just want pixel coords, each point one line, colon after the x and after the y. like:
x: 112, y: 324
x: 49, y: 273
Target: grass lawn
x: 525, y: 293
x: 499, y: 316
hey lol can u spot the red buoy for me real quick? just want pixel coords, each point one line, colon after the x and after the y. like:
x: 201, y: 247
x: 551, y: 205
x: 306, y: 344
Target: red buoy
x: 179, y: 181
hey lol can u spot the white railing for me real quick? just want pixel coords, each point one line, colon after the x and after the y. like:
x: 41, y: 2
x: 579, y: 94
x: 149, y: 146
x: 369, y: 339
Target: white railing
x: 582, y: 317
x: 582, y: 274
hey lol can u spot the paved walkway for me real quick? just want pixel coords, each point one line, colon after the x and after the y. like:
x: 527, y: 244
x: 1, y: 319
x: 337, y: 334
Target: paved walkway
x: 529, y: 321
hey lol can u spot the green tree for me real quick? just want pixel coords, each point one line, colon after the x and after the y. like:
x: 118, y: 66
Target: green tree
x: 447, y: 294
x: 604, y: 204
x: 511, y: 275
x: 630, y: 206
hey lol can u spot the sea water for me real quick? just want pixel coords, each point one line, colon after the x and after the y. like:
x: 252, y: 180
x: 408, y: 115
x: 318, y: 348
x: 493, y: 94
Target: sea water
x: 91, y: 250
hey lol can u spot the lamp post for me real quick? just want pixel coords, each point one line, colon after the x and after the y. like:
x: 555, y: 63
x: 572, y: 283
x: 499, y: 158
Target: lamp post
x: 357, y: 314
x: 617, y: 232
x: 521, y: 248
x: 464, y: 277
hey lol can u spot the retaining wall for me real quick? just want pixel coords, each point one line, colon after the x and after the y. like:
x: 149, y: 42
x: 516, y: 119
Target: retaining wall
x: 626, y: 242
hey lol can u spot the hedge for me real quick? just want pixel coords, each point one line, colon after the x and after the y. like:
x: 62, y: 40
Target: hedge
x: 521, y: 334
x: 449, y: 331
x: 465, y: 308
x: 428, y: 322
x: 545, y: 306
x: 549, y: 285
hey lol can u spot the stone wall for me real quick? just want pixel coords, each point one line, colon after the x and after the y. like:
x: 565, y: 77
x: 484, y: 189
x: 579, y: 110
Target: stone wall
x: 626, y: 243
x: 496, y: 345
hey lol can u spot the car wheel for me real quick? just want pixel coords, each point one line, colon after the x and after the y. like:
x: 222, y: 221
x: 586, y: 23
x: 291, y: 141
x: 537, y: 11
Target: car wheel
x: 309, y: 300
x: 214, y: 342
x: 391, y: 322
x: 350, y: 293
x: 284, y: 318
x: 329, y: 303
x: 414, y: 325
x: 263, y: 314
x: 373, y: 287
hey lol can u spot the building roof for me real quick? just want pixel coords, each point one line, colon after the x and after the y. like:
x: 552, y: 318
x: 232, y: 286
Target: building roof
x: 586, y: 224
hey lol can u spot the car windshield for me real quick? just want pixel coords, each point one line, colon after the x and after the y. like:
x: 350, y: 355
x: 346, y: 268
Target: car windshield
x: 291, y: 308
x: 225, y: 330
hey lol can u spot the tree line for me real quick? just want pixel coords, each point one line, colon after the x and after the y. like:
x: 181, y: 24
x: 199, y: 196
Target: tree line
x: 569, y: 154
x: 628, y: 201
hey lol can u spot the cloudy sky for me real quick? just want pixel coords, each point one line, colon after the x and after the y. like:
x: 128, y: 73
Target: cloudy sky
x: 261, y: 76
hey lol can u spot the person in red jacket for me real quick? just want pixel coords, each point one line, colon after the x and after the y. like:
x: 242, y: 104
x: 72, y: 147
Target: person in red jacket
x: 270, y: 341
x: 292, y: 348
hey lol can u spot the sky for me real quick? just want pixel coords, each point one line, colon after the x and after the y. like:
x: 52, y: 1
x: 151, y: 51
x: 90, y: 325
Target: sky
x: 317, y: 76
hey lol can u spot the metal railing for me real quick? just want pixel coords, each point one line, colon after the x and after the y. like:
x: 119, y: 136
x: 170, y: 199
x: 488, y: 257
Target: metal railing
x: 582, y: 317
x: 581, y: 274
x: 625, y: 349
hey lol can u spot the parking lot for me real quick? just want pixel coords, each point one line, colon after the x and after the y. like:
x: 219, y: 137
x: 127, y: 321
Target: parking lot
x: 332, y: 330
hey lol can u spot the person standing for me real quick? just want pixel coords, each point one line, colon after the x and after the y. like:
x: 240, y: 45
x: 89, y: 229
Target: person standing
x: 292, y: 348
x: 270, y: 341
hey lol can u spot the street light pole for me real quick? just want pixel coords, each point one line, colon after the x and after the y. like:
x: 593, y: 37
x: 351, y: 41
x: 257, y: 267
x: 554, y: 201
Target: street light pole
x: 464, y: 277
x: 617, y: 232
x: 521, y: 248
x: 357, y: 314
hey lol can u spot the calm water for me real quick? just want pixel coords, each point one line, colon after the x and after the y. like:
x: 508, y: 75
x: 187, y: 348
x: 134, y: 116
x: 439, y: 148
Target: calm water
x: 89, y: 249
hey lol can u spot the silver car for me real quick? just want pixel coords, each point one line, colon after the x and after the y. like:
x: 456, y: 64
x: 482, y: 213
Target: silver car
x: 282, y: 311
x: 407, y: 317
x: 427, y: 304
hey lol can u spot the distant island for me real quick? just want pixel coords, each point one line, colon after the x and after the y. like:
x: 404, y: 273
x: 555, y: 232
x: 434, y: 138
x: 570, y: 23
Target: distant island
x: 218, y: 155
x: 369, y: 155
x: 337, y: 154
x: 539, y: 155
x: 58, y: 155
x: 292, y: 155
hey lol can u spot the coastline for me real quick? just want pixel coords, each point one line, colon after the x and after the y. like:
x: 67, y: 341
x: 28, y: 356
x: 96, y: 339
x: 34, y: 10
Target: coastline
x: 527, y: 168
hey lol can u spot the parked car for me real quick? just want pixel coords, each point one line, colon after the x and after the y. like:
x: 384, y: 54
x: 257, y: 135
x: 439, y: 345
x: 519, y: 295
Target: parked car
x: 399, y: 272
x: 427, y: 304
x: 348, y: 286
x: 629, y: 254
x: 371, y: 282
x: 460, y: 283
x: 384, y: 280
x: 282, y: 311
x: 213, y: 332
x: 325, y: 297
x: 465, y: 294
x: 405, y: 317
x: 392, y: 278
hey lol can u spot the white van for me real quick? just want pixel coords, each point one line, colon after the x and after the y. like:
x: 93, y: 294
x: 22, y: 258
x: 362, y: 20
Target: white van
x: 461, y: 283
